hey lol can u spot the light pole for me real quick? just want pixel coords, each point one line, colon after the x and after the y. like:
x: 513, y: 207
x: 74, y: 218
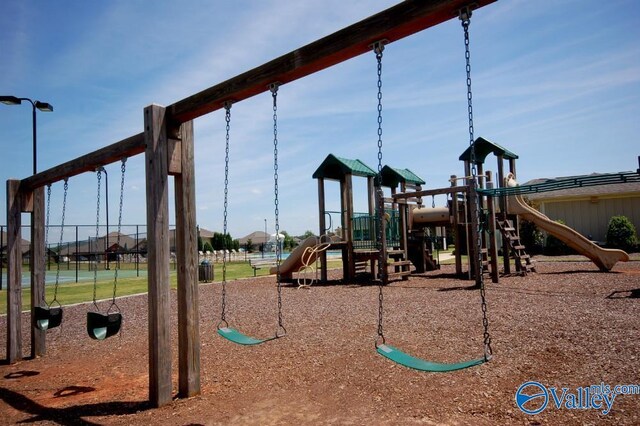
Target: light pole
x: 264, y: 243
x: 42, y: 106
x: 106, y: 201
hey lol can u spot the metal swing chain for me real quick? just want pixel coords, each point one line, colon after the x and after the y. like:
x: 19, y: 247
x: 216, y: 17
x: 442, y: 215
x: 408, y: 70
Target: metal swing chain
x: 123, y: 169
x: 274, y: 94
x: 46, y: 236
x: 64, y: 209
x: 223, y: 320
x: 378, y: 48
x: 95, y: 269
x: 465, y: 17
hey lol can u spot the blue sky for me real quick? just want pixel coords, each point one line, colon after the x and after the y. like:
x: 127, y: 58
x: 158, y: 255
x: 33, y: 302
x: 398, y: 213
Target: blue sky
x: 557, y: 82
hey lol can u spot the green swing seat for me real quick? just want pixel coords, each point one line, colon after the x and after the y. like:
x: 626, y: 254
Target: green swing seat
x: 46, y: 318
x: 235, y: 336
x: 402, y: 358
x: 100, y: 327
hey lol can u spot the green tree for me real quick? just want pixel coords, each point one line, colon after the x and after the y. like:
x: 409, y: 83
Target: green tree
x: 222, y: 242
x: 531, y: 237
x: 207, y: 246
x: 288, y: 243
x: 621, y: 233
x: 306, y: 235
x: 249, y: 245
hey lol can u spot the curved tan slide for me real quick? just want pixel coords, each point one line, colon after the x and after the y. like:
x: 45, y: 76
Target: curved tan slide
x: 605, y: 259
x: 297, y: 259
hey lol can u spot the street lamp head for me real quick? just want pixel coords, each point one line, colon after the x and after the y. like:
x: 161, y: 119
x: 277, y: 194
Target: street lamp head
x: 43, y: 106
x: 10, y: 100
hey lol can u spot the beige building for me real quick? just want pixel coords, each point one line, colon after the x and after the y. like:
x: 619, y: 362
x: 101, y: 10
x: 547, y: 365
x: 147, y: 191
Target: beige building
x: 589, y: 209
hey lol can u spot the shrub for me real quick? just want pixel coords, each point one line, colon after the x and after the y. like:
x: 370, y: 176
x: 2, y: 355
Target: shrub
x: 621, y: 233
x: 531, y: 237
x: 207, y: 247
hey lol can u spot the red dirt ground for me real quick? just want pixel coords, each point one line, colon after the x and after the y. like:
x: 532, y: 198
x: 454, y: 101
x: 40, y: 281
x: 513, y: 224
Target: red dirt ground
x: 566, y: 326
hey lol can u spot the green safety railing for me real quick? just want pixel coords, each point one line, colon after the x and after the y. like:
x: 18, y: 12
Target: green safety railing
x: 565, y: 183
x: 365, y: 228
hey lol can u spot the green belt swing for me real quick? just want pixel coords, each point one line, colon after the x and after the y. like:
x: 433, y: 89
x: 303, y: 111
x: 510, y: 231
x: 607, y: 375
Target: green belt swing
x: 224, y: 330
x: 388, y: 351
x: 102, y: 326
x: 47, y: 317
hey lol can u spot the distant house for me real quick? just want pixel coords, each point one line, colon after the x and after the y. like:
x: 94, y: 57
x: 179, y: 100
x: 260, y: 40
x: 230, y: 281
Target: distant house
x: 258, y: 239
x: 589, y: 209
x: 94, y: 249
x: 25, y: 249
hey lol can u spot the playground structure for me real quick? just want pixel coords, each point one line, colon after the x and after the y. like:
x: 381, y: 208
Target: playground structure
x: 406, y: 219
x: 408, y: 241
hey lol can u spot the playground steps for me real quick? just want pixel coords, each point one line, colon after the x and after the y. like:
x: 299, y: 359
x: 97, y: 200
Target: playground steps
x: 400, y: 267
x: 420, y: 254
x: 362, y: 266
x: 517, y: 249
x: 485, y: 260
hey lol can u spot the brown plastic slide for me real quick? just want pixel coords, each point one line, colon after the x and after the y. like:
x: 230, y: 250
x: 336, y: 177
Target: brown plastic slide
x: 297, y: 258
x: 605, y: 259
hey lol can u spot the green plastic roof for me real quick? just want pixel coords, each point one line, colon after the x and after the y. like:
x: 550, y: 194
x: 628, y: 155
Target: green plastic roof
x: 483, y: 148
x: 335, y: 168
x: 392, y: 177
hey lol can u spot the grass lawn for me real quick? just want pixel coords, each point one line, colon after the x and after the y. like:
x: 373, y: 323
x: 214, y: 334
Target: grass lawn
x: 70, y: 293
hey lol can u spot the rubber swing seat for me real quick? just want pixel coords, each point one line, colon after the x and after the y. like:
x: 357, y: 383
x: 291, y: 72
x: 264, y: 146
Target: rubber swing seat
x: 100, y: 327
x: 235, y: 336
x: 46, y: 318
x: 407, y: 360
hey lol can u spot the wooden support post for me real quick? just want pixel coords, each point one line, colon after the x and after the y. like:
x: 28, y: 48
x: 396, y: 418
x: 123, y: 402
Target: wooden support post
x: 348, y: 224
x: 503, y: 213
x: 516, y: 218
x: 458, y: 238
x: 323, y: 229
x: 371, y: 196
x: 14, y: 272
x: 382, y: 256
x: 476, y: 266
x: 187, y: 257
x: 37, y: 262
x: 480, y: 173
x: 493, y: 244
x: 371, y: 199
x: 157, y: 169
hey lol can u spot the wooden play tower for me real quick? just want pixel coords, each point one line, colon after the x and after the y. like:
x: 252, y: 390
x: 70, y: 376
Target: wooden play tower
x: 358, y: 239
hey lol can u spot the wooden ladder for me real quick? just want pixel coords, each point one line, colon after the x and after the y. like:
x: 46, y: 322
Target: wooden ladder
x: 401, y: 266
x: 517, y: 249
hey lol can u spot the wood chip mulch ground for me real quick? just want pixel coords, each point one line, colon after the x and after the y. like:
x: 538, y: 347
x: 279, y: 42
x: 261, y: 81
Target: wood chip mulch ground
x: 568, y: 325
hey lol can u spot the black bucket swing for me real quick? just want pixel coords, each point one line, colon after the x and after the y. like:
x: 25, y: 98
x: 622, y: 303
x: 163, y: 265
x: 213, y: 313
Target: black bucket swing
x: 224, y: 330
x: 102, y: 326
x: 50, y: 315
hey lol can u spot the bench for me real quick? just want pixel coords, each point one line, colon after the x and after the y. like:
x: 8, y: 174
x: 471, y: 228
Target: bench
x: 261, y: 263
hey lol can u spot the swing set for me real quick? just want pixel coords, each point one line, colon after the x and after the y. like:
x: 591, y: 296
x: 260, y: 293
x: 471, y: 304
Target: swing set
x: 167, y: 143
x: 99, y: 325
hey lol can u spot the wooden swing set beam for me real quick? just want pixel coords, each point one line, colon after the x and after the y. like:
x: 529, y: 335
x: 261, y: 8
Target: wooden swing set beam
x: 126, y: 148
x: 395, y: 23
